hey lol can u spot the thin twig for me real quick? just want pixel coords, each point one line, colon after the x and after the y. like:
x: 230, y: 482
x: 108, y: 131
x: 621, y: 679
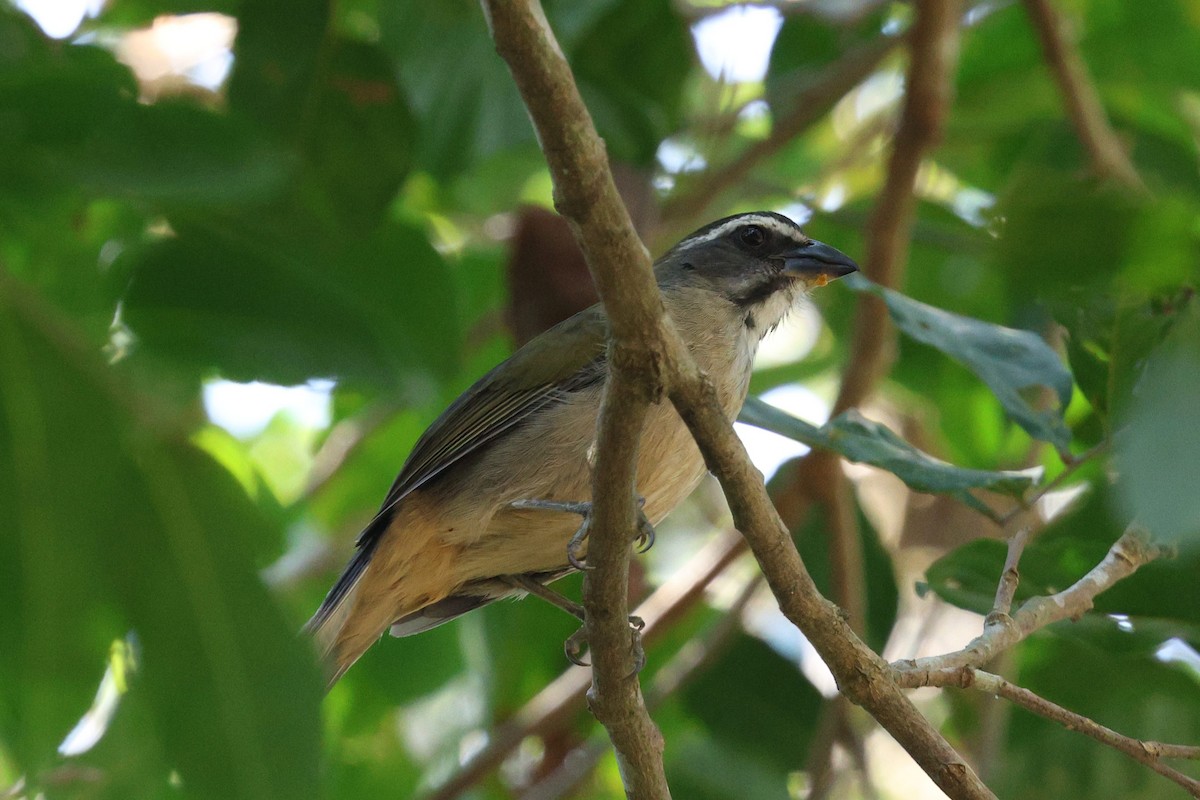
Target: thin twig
x: 1148, y: 753
x: 1001, y: 631
x: 808, y: 106
x: 1072, y: 465
x: 1010, y: 577
x: 1107, y: 156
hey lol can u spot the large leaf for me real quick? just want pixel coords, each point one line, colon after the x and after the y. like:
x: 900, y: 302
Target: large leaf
x: 1158, y: 450
x: 377, y: 311
x: 750, y: 700
x: 865, y: 441
x: 116, y: 523
x: 1013, y: 363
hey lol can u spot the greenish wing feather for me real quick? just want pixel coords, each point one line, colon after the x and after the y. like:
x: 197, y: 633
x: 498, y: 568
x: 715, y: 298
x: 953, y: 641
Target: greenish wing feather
x: 545, y: 371
x: 567, y: 358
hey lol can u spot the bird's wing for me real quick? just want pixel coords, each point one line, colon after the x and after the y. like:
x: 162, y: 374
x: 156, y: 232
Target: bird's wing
x: 536, y: 376
x: 545, y: 375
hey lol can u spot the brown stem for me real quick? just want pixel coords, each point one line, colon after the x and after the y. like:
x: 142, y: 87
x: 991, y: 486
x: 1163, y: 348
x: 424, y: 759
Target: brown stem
x: 584, y: 192
x: 1148, y: 753
x: 1010, y: 577
x: 1107, y: 156
x: 1001, y: 631
x: 808, y: 106
x: 933, y: 53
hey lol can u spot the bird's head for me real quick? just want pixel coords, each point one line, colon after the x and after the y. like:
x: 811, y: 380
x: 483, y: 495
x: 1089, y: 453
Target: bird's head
x: 759, y: 262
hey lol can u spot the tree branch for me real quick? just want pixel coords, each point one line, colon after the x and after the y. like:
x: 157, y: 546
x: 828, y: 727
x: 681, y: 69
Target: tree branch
x: 556, y: 705
x: 808, y: 106
x: 584, y: 192
x: 1148, y: 753
x: 1107, y: 156
x: 1002, y: 631
x: 934, y: 53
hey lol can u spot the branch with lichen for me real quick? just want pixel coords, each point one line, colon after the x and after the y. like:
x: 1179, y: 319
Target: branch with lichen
x: 1002, y: 630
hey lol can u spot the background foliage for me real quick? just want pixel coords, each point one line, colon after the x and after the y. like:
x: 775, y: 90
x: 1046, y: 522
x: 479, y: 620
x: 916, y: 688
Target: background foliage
x: 338, y: 208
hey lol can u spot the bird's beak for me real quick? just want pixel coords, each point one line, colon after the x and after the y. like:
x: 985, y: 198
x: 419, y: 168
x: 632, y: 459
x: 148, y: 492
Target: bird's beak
x: 818, y: 262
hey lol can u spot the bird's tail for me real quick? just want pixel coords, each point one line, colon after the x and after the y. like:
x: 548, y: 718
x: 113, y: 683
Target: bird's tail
x: 336, y: 619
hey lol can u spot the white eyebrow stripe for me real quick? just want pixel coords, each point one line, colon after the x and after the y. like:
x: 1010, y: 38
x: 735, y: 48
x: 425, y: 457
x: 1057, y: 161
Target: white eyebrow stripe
x: 773, y: 223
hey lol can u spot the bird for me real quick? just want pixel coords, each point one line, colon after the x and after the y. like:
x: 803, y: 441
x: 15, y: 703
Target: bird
x: 481, y: 509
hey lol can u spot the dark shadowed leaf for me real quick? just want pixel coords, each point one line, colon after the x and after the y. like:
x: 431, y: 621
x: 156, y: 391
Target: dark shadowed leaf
x: 211, y: 299
x: 1014, y: 364
x: 750, y: 700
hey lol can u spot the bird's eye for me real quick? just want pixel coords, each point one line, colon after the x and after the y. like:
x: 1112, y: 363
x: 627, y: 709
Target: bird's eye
x: 752, y: 236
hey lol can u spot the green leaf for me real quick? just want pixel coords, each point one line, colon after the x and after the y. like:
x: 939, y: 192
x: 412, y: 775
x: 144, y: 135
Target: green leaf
x: 1013, y: 363
x: 634, y: 92
x: 1158, y: 449
x: 750, y: 700
x: 118, y: 524
x: 178, y: 154
x: 864, y: 441
x: 1162, y: 599
x: 211, y: 298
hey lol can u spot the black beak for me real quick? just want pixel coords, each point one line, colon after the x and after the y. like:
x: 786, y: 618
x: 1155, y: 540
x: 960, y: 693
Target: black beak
x: 817, y: 259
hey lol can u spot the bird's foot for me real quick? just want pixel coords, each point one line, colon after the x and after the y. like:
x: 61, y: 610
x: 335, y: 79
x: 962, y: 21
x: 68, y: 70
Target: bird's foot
x: 577, y: 642
x: 576, y: 550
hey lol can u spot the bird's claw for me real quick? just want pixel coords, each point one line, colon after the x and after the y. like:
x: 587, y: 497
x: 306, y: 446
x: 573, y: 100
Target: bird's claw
x: 577, y: 642
x: 575, y: 548
x: 574, y: 646
x: 645, y: 531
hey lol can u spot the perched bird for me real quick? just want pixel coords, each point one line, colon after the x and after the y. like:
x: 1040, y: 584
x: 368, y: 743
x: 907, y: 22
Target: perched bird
x: 455, y: 531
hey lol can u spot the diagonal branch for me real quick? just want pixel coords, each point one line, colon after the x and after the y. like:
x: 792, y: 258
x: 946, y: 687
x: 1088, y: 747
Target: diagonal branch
x: 1148, y: 753
x: 1002, y: 631
x: 646, y: 345
x: 1104, y: 149
x: 808, y: 106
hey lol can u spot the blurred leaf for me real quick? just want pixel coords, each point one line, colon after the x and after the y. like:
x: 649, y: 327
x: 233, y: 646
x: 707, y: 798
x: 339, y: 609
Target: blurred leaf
x: 702, y: 768
x: 864, y: 441
x: 359, y: 144
x: 463, y: 94
x: 1142, y: 698
x: 633, y: 91
x: 160, y: 550
x: 879, y: 578
x: 1157, y: 452
x: 178, y: 154
x: 807, y: 43
x: 750, y: 700
x: 1011, y: 362
x: 211, y: 298
x: 276, y: 62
